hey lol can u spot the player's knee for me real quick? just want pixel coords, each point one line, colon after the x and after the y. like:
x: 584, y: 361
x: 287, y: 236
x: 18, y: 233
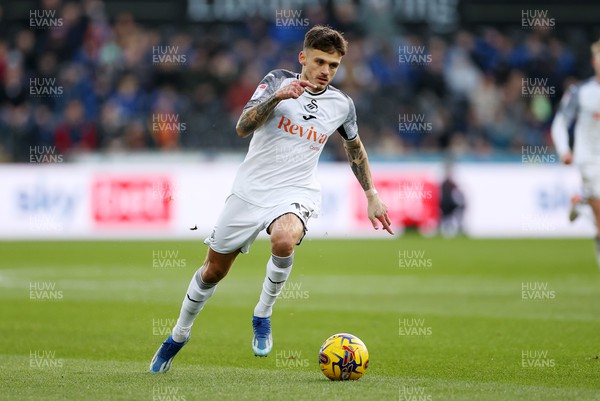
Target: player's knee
x: 282, y: 243
x: 212, y: 272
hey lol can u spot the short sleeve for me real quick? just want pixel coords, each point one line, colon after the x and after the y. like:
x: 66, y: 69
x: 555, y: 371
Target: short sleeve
x: 570, y: 103
x: 349, y: 129
x: 267, y: 87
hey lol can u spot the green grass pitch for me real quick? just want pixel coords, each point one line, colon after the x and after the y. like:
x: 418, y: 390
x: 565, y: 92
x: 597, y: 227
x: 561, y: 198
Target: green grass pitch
x: 476, y: 320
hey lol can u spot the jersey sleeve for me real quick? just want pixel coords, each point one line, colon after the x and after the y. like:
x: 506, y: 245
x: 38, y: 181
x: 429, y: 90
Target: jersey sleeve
x: 570, y: 103
x: 566, y: 114
x: 265, y: 89
x: 349, y: 129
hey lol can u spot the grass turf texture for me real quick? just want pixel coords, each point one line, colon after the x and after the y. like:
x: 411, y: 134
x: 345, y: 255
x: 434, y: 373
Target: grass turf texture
x: 116, y: 308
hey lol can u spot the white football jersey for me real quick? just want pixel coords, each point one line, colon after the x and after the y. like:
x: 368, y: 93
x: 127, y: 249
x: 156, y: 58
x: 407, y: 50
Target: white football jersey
x: 581, y: 103
x: 282, y: 158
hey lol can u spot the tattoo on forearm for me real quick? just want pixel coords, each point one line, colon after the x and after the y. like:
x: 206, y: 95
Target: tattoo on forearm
x: 257, y: 115
x: 359, y: 163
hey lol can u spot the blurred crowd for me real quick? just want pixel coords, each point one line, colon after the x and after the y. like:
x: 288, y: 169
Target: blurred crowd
x: 100, y: 83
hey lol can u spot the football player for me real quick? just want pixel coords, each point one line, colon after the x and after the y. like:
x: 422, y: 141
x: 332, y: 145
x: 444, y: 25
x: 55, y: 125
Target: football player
x: 292, y: 115
x: 581, y: 104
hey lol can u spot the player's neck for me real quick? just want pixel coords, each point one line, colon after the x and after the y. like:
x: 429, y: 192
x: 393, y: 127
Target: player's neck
x: 304, y: 77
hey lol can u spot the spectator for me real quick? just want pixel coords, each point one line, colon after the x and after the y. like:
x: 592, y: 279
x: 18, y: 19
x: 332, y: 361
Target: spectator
x: 469, y: 90
x: 75, y: 133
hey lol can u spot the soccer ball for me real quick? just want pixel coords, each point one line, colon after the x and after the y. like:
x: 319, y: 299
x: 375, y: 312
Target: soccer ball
x: 343, y: 357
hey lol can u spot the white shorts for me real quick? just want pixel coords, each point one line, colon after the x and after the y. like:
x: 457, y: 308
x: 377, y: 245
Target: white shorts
x: 590, y: 177
x: 240, y: 222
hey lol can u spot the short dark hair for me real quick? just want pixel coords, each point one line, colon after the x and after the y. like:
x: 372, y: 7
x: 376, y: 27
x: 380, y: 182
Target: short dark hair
x: 325, y: 39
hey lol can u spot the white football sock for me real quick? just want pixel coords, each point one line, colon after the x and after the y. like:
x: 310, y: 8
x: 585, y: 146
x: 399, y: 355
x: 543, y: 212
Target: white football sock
x: 197, y: 294
x: 278, y: 271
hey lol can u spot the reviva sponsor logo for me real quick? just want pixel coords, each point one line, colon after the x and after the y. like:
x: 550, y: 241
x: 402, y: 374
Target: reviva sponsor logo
x: 302, y: 132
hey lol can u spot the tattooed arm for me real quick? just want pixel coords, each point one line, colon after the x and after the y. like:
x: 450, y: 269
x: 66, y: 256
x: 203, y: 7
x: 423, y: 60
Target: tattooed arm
x: 256, y: 116
x: 357, y: 155
x: 377, y: 210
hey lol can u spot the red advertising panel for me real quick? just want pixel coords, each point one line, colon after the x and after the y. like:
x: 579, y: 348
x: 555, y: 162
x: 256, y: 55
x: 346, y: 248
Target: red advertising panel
x: 131, y: 201
x: 412, y: 200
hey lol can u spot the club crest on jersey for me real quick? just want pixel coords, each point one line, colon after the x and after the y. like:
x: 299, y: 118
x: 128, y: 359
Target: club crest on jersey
x: 312, y: 106
x: 259, y: 91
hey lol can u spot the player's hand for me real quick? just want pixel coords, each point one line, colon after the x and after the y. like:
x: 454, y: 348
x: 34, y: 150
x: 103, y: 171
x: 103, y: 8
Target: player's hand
x: 377, y: 210
x: 567, y: 158
x: 294, y: 89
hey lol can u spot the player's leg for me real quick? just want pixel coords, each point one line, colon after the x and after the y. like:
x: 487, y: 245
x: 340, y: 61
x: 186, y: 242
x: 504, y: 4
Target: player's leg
x: 286, y: 232
x: 595, y: 204
x: 590, y: 178
x: 237, y: 227
x: 201, y: 287
x: 576, y: 203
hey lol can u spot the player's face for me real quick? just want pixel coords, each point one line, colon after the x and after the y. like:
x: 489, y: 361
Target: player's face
x: 319, y: 67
